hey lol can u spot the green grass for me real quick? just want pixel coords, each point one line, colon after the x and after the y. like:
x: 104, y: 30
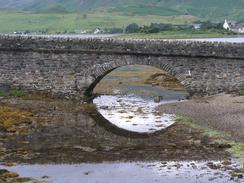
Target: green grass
x: 208, y: 9
x: 143, y: 10
x: 178, y: 35
x: 59, y: 22
x: 3, y: 94
x: 242, y: 91
x: 215, y: 134
x: 12, y: 93
x: 236, y: 150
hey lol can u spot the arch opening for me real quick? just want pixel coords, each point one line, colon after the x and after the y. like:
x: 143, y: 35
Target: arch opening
x: 128, y: 97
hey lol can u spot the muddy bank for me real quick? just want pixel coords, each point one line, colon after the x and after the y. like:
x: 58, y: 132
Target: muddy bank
x: 164, y: 80
x: 222, y: 112
x: 65, y: 132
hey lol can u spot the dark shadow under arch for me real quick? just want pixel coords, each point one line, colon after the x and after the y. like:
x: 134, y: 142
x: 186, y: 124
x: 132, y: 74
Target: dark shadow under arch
x: 89, y: 91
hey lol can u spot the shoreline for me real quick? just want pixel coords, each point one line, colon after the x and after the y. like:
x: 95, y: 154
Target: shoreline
x: 221, y: 112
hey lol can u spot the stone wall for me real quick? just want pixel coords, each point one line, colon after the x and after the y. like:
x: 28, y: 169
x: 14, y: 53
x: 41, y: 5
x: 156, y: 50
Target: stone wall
x: 71, y: 67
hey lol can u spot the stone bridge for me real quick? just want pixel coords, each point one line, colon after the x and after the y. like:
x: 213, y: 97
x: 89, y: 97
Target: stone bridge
x: 71, y: 67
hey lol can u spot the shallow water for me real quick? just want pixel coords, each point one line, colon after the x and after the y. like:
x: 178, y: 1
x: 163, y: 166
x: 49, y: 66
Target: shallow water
x: 84, y: 36
x: 227, y: 40
x: 72, y: 36
x: 129, y: 172
x: 146, y: 91
x: 134, y: 113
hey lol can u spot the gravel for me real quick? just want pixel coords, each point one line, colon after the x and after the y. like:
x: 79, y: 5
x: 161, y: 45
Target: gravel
x: 221, y: 112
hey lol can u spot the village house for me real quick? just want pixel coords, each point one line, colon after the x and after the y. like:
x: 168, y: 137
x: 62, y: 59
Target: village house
x: 97, y: 31
x: 237, y: 27
x: 197, y: 26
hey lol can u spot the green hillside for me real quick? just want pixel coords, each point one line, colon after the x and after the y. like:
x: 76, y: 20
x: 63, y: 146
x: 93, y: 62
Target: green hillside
x: 68, y: 15
x: 68, y: 22
x: 211, y: 9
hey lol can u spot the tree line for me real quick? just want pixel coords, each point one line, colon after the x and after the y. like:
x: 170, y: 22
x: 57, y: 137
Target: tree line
x: 148, y: 29
x: 159, y: 27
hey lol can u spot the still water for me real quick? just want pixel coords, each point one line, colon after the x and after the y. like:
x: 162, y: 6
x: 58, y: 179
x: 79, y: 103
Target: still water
x: 81, y: 36
x: 133, y: 172
x: 226, y: 40
x: 133, y: 113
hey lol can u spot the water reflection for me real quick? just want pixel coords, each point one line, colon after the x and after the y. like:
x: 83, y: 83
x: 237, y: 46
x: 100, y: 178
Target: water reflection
x: 133, y: 113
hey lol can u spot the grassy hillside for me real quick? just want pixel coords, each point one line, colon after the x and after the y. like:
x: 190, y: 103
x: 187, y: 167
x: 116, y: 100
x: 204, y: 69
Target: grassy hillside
x: 146, y: 10
x: 60, y: 22
x: 62, y: 15
x: 187, y: 34
x: 210, y: 9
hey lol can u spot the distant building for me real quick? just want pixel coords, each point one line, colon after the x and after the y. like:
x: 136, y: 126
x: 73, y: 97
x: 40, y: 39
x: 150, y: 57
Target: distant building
x: 80, y: 31
x: 197, y: 26
x: 226, y: 25
x: 98, y: 31
x: 18, y: 32
x: 237, y: 27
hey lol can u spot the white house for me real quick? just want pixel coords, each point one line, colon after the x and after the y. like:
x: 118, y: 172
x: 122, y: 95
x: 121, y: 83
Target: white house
x: 80, y: 31
x: 197, y: 26
x: 97, y: 31
x: 226, y: 25
x: 239, y: 28
x: 234, y: 26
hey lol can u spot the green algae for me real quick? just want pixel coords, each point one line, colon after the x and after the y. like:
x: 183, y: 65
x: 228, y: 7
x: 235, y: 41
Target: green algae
x: 219, y: 137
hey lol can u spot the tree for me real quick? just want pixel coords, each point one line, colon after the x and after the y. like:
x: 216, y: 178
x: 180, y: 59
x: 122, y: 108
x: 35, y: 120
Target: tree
x: 132, y: 28
x: 27, y: 32
x: 84, y: 16
x: 156, y: 27
x: 115, y: 30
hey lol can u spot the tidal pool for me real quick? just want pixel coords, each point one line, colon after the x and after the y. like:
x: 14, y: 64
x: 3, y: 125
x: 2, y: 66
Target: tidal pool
x: 134, y: 113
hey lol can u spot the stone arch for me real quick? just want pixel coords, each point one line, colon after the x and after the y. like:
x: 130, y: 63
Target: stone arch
x: 97, y: 72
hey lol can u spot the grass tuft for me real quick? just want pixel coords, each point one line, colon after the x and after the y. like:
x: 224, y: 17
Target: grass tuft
x: 12, y: 93
x: 242, y: 91
x: 236, y: 150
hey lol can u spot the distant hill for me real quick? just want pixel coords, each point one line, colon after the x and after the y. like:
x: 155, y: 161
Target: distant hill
x: 209, y: 9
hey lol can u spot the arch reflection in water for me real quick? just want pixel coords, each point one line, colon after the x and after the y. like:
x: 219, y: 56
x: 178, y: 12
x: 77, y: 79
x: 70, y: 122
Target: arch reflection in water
x: 134, y: 113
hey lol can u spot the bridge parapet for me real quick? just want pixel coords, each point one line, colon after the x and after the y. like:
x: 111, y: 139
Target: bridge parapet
x: 122, y: 46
